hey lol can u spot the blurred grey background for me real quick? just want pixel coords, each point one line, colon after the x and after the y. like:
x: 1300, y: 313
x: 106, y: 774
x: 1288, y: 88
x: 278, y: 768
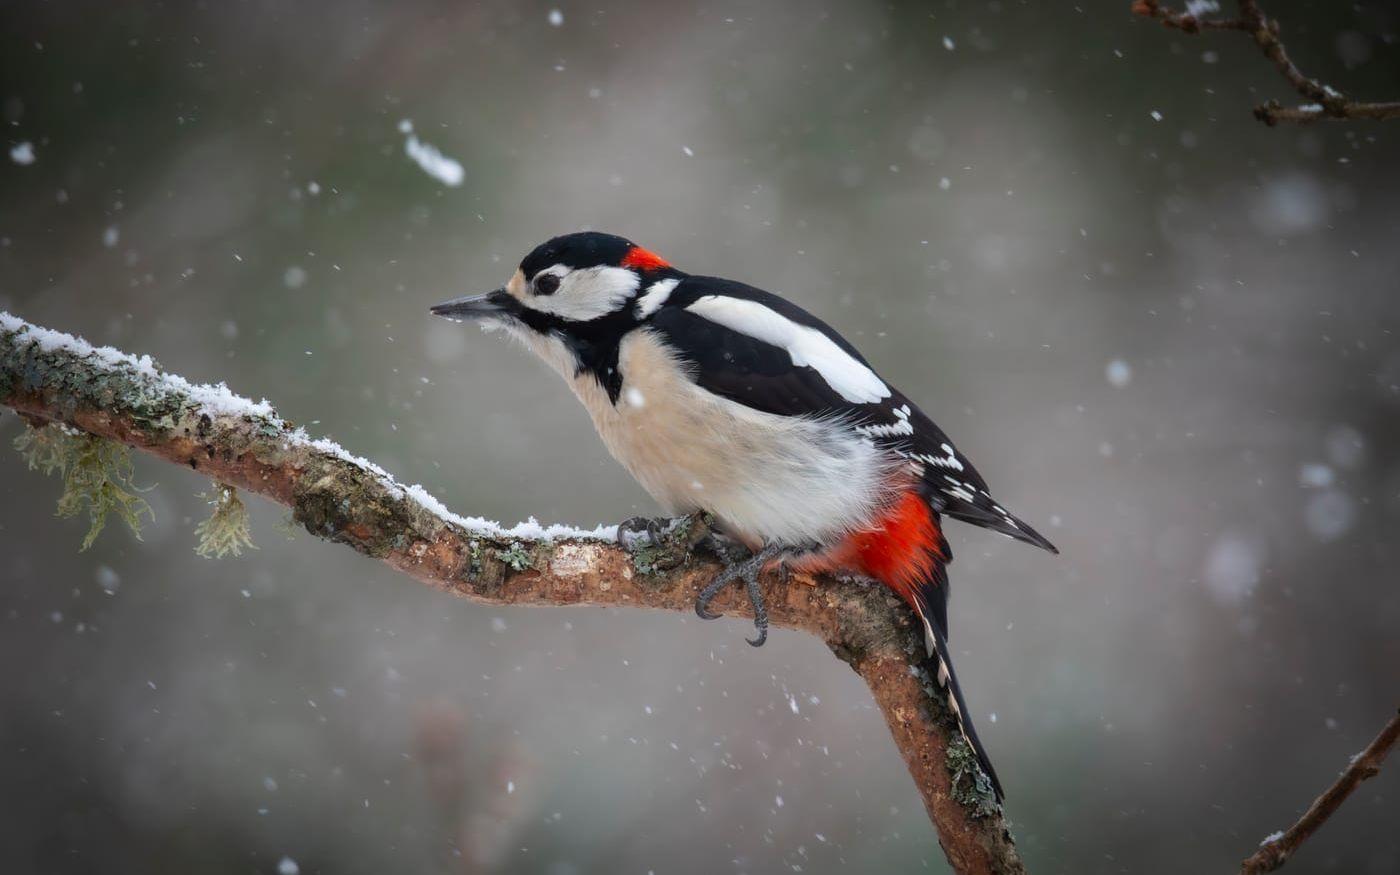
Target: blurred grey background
x: 1166, y: 334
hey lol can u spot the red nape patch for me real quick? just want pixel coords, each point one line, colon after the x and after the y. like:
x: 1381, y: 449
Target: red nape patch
x: 638, y: 258
x: 901, y: 551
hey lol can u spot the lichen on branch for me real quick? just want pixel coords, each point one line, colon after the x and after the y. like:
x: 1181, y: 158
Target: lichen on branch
x: 225, y: 532
x: 97, y: 476
x: 113, y: 399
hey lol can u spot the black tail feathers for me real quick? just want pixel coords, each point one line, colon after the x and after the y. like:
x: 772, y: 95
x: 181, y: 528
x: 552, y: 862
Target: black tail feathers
x: 987, y: 514
x: 942, y: 665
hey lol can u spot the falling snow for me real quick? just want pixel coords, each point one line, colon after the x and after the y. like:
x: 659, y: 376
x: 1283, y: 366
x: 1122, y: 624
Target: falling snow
x: 446, y: 170
x: 1184, y: 366
x: 1315, y: 475
x: 1232, y: 568
x: 1119, y: 373
x: 1330, y: 514
x: 108, y: 579
x: 22, y: 153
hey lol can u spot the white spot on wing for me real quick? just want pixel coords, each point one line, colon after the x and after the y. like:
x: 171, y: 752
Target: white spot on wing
x: 900, y: 426
x: 806, y: 346
x: 656, y: 295
x: 949, y: 460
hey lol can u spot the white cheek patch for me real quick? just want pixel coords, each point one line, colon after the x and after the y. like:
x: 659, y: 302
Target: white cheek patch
x: 806, y: 346
x: 656, y: 295
x: 586, y: 294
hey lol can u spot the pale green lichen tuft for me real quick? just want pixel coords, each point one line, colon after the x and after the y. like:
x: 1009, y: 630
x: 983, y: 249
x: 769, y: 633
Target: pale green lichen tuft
x: 226, y: 530
x: 516, y: 557
x: 45, y: 447
x: 97, y: 476
x: 474, y: 568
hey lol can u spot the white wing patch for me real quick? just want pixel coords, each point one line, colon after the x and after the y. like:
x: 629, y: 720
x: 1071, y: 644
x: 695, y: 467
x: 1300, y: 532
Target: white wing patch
x: 655, y: 296
x: 949, y: 460
x: 900, y: 426
x: 807, y: 347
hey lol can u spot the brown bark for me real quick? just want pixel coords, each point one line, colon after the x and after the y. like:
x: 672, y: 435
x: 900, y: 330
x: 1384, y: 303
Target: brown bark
x: 47, y: 378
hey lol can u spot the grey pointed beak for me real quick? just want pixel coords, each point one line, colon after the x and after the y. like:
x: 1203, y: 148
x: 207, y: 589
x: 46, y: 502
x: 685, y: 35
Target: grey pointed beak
x: 492, y: 305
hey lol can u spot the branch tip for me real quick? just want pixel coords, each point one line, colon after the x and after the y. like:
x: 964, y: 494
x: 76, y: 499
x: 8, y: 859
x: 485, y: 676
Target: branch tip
x: 1327, y: 102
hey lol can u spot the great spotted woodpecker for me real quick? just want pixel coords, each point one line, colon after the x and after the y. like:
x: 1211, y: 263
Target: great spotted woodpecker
x: 724, y: 398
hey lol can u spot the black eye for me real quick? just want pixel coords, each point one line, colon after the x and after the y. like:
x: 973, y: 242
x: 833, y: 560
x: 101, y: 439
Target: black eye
x: 546, y: 284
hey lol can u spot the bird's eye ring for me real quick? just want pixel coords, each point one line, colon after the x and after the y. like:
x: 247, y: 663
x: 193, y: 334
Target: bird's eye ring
x: 546, y: 284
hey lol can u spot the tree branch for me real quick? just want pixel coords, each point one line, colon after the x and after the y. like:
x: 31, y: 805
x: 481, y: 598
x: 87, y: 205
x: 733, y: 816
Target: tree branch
x: 1326, y: 101
x: 52, y: 377
x: 1274, y: 851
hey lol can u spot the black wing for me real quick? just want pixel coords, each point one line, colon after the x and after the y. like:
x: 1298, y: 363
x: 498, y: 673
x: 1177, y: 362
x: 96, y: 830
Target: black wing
x: 738, y: 367
x: 762, y: 376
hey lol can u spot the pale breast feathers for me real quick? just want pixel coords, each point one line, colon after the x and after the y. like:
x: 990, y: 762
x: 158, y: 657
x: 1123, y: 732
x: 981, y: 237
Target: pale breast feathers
x: 771, y: 477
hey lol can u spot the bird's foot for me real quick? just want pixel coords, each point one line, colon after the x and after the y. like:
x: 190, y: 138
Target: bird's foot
x: 748, y: 571
x: 729, y: 551
x: 659, y: 545
x: 640, y: 531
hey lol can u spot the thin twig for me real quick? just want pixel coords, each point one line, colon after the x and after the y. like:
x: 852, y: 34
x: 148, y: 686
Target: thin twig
x: 1274, y: 852
x: 1326, y: 101
x: 1185, y: 21
x: 46, y: 376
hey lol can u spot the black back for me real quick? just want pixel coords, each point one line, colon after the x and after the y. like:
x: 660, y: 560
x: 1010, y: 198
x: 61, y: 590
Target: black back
x: 759, y: 375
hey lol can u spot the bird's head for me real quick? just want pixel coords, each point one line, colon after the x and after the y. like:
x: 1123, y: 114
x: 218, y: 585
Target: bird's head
x: 574, y: 286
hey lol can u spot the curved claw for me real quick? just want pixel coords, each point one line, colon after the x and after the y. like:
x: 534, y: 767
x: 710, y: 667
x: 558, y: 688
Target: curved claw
x: 707, y: 595
x: 748, y: 572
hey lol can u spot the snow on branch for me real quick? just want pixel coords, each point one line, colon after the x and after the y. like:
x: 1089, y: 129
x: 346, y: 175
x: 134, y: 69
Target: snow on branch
x: 155, y: 389
x: 1324, y: 101
x: 53, y: 378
